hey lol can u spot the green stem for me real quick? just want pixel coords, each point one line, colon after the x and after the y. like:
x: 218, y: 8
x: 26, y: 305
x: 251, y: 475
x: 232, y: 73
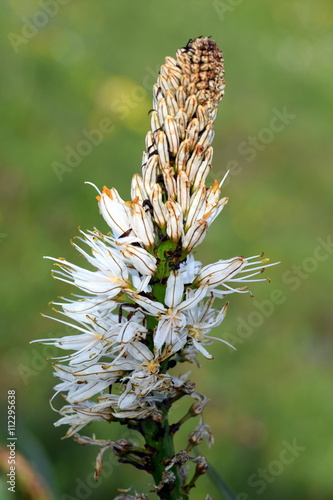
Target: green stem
x: 158, y: 438
x: 157, y: 434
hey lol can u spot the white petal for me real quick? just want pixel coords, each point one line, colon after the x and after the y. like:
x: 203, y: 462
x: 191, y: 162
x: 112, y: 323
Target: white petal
x: 137, y: 188
x: 116, y: 214
x: 150, y: 172
x: 153, y: 307
x: 127, y: 399
x: 129, y: 330
x: 143, y: 225
x: 189, y: 269
x: 175, y: 221
x: 174, y: 289
x: 160, y: 211
x: 197, y: 207
x: 183, y: 191
x: 140, y: 352
x: 171, y: 130
x: 143, y: 261
x: 202, y: 349
x: 195, y: 235
x: 162, y: 148
x: 215, y: 274
x: 170, y: 182
x: 191, y: 302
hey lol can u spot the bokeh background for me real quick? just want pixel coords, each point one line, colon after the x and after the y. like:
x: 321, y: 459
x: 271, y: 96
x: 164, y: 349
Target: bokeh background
x: 66, y: 67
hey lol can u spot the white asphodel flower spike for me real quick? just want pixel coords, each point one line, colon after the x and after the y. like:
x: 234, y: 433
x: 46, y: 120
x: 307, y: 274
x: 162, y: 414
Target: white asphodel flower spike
x: 145, y: 303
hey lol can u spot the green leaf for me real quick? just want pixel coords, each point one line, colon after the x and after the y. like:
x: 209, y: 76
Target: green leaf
x: 218, y: 481
x: 220, y: 484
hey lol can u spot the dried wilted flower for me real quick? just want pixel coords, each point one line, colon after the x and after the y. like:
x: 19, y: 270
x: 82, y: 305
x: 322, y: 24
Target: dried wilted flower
x: 148, y: 303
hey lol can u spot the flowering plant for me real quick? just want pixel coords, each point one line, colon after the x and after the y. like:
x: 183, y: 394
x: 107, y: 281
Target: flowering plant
x: 146, y: 304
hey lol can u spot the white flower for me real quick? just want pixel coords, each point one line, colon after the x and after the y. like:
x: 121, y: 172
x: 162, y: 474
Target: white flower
x: 171, y: 317
x: 142, y: 225
x: 82, y: 307
x: 189, y: 269
x: 145, y: 377
x: 114, y: 211
x: 201, y: 320
x: 78, y: 416
x: 113, y: 275
x: 219, y: 272
x: 84, y: 382
x: 132, y: 330
x: 225, y: 271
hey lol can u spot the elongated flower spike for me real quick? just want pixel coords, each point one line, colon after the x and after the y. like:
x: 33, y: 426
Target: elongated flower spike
x: 147, y: 304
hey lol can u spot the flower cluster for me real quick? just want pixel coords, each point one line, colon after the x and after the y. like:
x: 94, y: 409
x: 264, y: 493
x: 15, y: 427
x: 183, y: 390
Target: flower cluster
x: 146, y: 301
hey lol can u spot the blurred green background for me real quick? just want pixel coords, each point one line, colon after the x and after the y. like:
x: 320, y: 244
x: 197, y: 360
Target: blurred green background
x: 69, y: 65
